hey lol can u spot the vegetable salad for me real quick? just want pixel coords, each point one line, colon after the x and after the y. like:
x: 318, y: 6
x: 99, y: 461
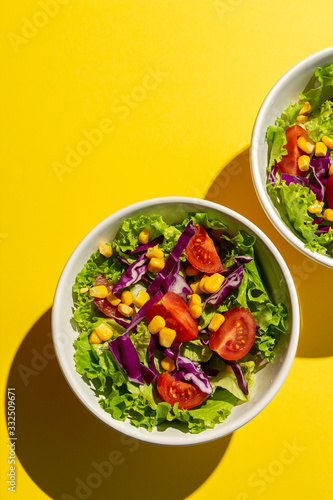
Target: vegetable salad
x: 173, y: 322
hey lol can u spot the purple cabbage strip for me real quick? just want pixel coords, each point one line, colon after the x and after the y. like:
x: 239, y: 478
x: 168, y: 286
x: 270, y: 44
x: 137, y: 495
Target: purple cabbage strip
x: 127, y: 357
x: 242, y: 384
x: 122, y: 322
x: 231, y: 283
x: 177, y: 284
x: 321, y: 165
x: 316, y: 186
x: 142, y: 312
x: 323, y: 229
x: 272, y: 175
x: 123, y: 261
x: 191, y: 372
x: 173, y: 258
x: 143, y: 248
x: 132, y: 274
x: 318, y: 220
x: 294, y: 179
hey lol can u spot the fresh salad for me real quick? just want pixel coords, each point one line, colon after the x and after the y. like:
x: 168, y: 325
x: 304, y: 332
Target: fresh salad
x: 300, y: 171
x: 174, y: 321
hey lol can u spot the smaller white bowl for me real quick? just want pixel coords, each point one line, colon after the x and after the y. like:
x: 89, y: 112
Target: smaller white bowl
x: 278, y: 280
x: 284, y: 92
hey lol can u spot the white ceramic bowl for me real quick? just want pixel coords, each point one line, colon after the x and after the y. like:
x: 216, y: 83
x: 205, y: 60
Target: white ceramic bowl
x: 267, y: 381
x: 284, y: 92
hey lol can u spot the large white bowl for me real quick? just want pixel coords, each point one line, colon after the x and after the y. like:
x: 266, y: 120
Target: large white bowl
x: 284, y: 92
x: 267, y: 381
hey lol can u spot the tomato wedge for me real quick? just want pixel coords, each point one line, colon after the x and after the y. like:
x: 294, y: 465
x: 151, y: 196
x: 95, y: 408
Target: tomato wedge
x: 288, y: 163
x: 177, y: 316
x: 103, y: 304
x: 236, y: 336
x: 329, y: 192
x: 201, y: 252
x: 174, y: 391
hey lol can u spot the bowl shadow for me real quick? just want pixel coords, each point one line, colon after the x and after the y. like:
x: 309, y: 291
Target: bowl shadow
x: 234, y: 188
x: 70, y: 454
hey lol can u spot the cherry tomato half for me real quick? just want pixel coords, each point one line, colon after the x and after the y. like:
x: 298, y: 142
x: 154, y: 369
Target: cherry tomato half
x: 236, y: 336
x: 174, y: 391
x: 329, y: 192
x: 288, y: 163
x: 103, y: 304
x: 201, y: 252
x: 177, y: 316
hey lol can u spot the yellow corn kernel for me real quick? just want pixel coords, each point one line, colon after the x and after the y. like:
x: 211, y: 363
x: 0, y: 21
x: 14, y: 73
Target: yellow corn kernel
x: 125, y: 310
x: 301, y: 119
x: 330, y: 172
x: 103, y: 331
x: 144, y: 236
x: 196, y: 288
x: 106, y: 250
x: 306, y: 108
x: 94, y: 338
x: 195, y: 311
x: 156, y: 265
x: 99, y: 291
x: 202, y: 283
x: 228, y: 368
x: 304, y: 163
x: 191, y: 271
x: 327, y: 141
x: 166, y: 336
x: 216, y: 321
x: 328, y: 214
x: 305, y: 144
x: 84, y: 290
x: 113, y: 299
x: 195, y: 300
x: 126, y: 298
x: 321, y: 149
x: 168, y: 364
x: 316, y: 208
x: 213, y: 283
x: 156, y: 324
x: 141, y: 298
x: 154, y: 252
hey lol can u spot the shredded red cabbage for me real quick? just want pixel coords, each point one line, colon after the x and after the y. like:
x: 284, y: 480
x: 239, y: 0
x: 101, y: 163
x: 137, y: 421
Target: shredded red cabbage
x: 242, y: 384
x: 132, y: 274
x: 321, y: 165
x: 318, y: 220
x: 190, y: 371
x: 143, y: 248
x: 173, y: 258
x: 127, y: 357
x: 151, y: 357
x: 177, y: 284
x: 123, y: 261
x: 323, y: 229
x: 231, y: 283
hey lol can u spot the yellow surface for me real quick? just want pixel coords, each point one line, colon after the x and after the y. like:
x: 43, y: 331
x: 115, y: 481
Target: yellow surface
x: 171, y: 90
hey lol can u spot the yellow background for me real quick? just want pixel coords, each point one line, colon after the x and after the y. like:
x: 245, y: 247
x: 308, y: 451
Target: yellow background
x: 218, y: 60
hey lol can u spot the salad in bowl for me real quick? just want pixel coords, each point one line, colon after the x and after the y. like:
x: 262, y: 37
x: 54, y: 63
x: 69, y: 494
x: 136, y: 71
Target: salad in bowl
x: 175, y: 321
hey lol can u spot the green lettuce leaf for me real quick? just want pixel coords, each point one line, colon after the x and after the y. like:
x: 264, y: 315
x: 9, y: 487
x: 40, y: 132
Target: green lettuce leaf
x: 196, y: 351
x: 227, y: 380
x: 319, y: 88
x: 320, y: 122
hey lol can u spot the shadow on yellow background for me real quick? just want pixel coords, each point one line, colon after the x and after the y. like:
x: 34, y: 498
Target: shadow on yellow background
x: 233, y: 188
x: 66, y: 450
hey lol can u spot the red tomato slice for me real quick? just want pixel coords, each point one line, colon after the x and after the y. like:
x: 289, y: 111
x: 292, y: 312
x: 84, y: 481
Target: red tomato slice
x: 173, y: 391
x: 288, y: 163
x: 177, y: 316
x: 329, y: 192
x: 236, y: 336
x: 201, y: 252
x: 103, y: 304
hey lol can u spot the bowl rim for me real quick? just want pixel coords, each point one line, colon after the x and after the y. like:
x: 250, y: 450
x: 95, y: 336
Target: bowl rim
x: 225, y: 427
x: 257, y: 137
